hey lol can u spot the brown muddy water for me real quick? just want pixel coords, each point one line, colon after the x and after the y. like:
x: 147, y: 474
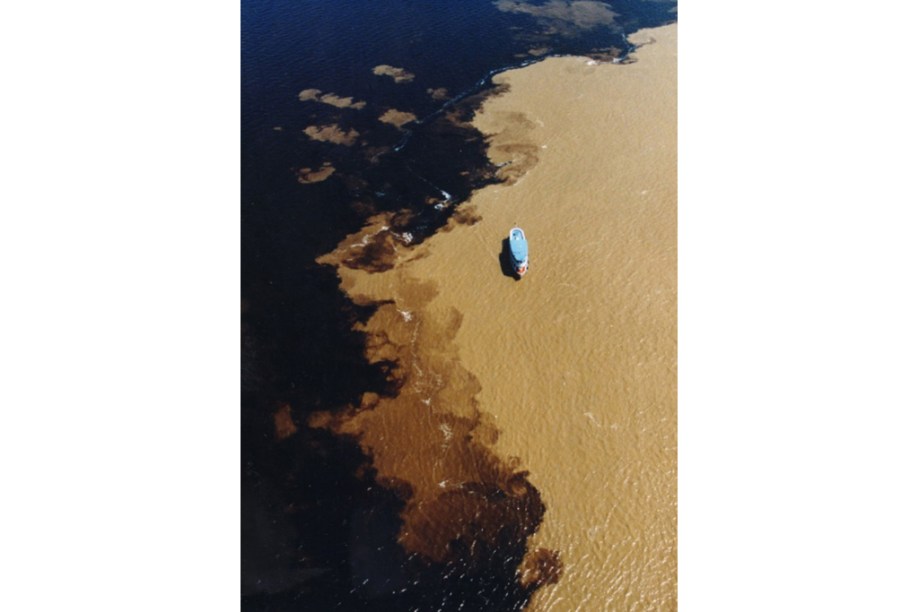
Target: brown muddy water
x: 545, y: 404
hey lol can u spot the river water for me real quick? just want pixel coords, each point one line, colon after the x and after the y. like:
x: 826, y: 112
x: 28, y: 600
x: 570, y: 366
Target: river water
x: 421, y: 430
x: 569, y: 374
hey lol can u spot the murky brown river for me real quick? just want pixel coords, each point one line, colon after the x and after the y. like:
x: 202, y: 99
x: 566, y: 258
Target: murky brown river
x: 558, y: 389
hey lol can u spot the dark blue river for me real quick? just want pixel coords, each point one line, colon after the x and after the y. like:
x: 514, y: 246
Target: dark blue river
x: 318, y: 531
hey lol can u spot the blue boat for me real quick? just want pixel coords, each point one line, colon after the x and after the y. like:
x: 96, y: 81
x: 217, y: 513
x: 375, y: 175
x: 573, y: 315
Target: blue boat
x: 519, y: 251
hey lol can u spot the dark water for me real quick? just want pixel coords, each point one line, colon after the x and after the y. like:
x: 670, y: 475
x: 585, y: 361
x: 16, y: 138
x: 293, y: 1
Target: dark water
x: 318, y: 531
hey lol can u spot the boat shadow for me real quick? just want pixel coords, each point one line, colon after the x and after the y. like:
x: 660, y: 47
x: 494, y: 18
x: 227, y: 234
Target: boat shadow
x: 504, y: 259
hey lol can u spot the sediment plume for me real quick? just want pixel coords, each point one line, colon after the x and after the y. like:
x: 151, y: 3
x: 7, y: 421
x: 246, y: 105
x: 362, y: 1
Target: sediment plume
x: 438, y: 93
x: 332, y: 133
x: 308, y: 175
x: 397, y: 118
x: 399, y: 75
x: 581, y: 14
x: 464, y: 505
x: 546, y: 405
x: 331, y: 99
